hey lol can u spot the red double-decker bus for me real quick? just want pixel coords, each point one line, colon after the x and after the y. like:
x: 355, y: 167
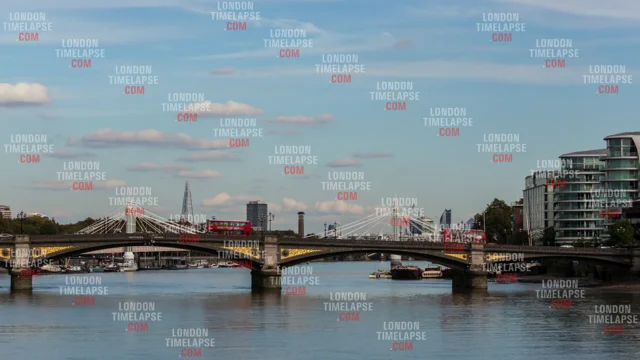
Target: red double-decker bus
x: 229, y: 227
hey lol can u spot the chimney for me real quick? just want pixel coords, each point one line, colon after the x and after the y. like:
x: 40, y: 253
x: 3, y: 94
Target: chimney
x: 300, y: 224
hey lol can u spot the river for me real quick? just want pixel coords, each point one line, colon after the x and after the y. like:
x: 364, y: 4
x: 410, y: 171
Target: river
x: 508, y: 322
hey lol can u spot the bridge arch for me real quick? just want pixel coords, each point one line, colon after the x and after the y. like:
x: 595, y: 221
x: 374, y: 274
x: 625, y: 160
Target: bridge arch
x: 432, y: 256
x: 204, y: 248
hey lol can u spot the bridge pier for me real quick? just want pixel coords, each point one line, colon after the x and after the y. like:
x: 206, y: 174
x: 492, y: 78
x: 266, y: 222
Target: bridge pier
x: 20, y: 260
x: 266, y: 280
x: 475, y: 276
x: 268, y: 277
x: 468, y: 280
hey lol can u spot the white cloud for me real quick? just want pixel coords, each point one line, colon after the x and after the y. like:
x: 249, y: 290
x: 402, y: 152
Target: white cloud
x: 220, y: 199
x: 230, y: 108
x: 292, y: 204
x: 65, y: 153
x: 150, y: 137
x: 226, y: 200
x: 344, y: 162
x: 22, y: 94
x: 302, y: 120
x: 202, y: 174
x: 341, y: 207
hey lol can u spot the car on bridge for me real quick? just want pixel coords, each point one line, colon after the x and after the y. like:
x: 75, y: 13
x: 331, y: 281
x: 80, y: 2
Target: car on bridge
x: 5, y: 235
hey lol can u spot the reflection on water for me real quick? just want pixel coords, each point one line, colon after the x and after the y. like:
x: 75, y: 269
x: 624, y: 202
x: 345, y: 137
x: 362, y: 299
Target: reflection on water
x: 506, y: 322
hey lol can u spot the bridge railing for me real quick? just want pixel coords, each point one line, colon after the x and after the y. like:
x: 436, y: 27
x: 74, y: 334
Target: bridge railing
x: 409, y: 242
x: 133, y: 236
x: 490, y: 247
x: 557, y: 248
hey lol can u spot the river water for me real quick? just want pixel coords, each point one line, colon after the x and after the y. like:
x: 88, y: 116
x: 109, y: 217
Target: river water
x: 508, y: 322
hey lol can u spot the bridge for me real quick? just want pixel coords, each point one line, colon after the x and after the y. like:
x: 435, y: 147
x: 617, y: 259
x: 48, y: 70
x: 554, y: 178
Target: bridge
x: 266, y: 254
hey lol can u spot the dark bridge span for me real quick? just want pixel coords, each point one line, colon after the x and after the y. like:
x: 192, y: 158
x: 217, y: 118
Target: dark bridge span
x: 268, y: 253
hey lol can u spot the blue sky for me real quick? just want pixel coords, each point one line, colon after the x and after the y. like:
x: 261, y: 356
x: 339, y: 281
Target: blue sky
x: 435, y: 44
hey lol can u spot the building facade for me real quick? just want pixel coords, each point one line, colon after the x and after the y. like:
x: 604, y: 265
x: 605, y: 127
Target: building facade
x: 5, y: 211
x: 445, y: 218
x: 257, y: 215
x: 537, y: 205
x: 577, y: 211
x: 517, y: 216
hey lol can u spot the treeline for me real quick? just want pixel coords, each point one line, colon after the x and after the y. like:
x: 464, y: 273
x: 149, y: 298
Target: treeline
x: 37, y: 225
x: 500, y: 229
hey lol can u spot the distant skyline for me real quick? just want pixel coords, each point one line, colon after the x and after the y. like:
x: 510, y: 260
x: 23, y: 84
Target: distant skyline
x: 435, y: 45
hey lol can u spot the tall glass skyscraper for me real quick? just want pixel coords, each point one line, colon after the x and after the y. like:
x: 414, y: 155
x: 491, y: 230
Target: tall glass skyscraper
x: 445, y: 218
x: 256, y: 211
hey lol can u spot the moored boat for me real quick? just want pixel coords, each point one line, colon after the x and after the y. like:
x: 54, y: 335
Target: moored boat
x: 128, y: 267
x: 409, y: 272
x: 177, y: 267
x: 111, y: 268
x: 50, y: 269
x: 150, y: 267
x: 73, y: 270
x: 199, y: 264
x: 432, y: 272
x: 96, y: 269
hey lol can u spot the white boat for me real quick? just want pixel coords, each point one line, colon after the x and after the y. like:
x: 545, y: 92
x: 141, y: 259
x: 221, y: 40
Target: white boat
x: 129, y: 264
x: 431, y: 273
x: 198, y: 264
x: 227, y: 264
x: 51, y: 268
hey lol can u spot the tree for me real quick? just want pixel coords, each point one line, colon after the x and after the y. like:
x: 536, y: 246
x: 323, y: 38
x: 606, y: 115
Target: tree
x: 521, y: 238
x: 30, y: 229
x: 48, y: 228
x: 498, y: 222
x: 549, y: 237
x: 621, y: 233
x: 478, y: 222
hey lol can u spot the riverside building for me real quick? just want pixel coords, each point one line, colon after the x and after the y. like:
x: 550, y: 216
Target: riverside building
x: 537, y: 205
x: 598, y: 188
x: 577, y: 210
x: 621, y: 175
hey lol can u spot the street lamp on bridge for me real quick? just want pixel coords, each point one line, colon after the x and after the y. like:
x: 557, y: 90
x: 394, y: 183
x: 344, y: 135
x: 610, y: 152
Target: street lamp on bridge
x: 271, y: 218
x: 262, y: 218
x: 21, y: 216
